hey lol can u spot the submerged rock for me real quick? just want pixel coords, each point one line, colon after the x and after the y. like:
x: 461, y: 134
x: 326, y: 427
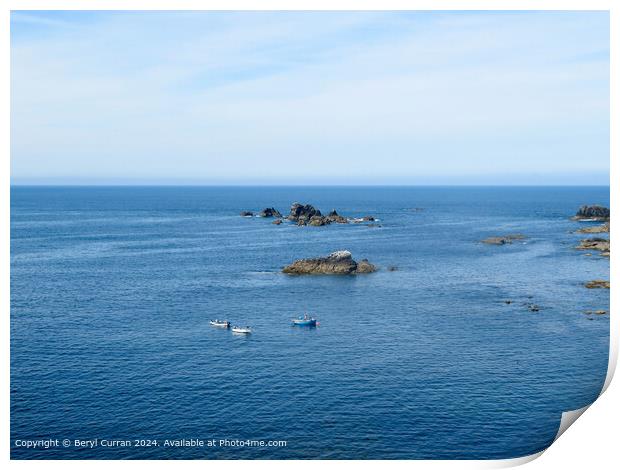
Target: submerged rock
x: 596, y: 229
x: 247, y: 214
x: 596, y: 243
x: 595, y: 312
x: 338, y: 262
x: 595, y: 212
x: 277, y: 222
x: 597, y: 284
x: 503, y: 240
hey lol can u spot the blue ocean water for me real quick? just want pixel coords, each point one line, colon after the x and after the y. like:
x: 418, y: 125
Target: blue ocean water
x: 112, y: 289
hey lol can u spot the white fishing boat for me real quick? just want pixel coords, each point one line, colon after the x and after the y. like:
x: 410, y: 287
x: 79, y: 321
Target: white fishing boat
x: 246, y: 330
x: 220, y: 323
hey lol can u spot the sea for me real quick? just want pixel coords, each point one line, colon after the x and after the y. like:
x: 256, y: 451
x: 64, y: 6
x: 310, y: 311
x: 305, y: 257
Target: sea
x: 437, y: 355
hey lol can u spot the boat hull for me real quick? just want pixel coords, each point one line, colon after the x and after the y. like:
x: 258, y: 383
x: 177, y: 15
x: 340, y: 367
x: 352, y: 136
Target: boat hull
x: 241, y: 331
x: 304, y: 322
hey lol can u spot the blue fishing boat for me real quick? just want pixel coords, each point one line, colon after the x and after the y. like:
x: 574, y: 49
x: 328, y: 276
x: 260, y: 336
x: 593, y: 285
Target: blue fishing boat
x: 304, y: 321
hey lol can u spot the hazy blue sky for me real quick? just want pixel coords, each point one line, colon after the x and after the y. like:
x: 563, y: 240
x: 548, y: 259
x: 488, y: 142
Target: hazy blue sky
x: 310, y: 98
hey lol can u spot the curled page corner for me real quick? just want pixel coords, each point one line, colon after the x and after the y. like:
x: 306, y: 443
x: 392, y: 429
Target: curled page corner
x: 517, y: 461
x: 611, y: 368
x: 568, y: 418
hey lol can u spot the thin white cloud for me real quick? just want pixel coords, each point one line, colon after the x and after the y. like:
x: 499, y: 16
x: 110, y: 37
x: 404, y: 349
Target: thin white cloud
x: 220, y: 97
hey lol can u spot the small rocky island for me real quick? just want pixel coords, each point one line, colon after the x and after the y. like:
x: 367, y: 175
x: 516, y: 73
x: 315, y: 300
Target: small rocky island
x: 594, y: 212
x: 338, y: 262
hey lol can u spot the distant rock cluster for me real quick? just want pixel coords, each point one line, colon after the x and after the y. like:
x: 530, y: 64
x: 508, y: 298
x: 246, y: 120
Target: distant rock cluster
x: 598, y: 213
x: 308, y: 215
x: 585, y: 213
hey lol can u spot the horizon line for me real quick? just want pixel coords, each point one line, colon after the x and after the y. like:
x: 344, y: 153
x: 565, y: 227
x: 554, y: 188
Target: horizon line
x: 267, y: 185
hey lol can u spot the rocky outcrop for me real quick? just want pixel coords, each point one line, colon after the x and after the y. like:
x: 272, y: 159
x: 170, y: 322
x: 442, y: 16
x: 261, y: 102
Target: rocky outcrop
x: 503, y: 240
x: 306, y: 214
x: 339, y: 262
x: 303, y: 212
x: 594, y: 212
x: 317, y: 221
x: 595, y: 312
x: 333, y: 216
x: 596, y: 229
x: 596, y: 243
x: 247, y: 214
x: 364, y: 266
x: 269, y: 212
x: 597, y: 284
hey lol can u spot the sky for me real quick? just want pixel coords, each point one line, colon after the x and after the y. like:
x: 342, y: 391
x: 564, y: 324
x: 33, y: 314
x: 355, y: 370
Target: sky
x: 309, y: 97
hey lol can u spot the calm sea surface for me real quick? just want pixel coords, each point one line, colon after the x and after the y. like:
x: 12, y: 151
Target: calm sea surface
x: 112, y: 289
